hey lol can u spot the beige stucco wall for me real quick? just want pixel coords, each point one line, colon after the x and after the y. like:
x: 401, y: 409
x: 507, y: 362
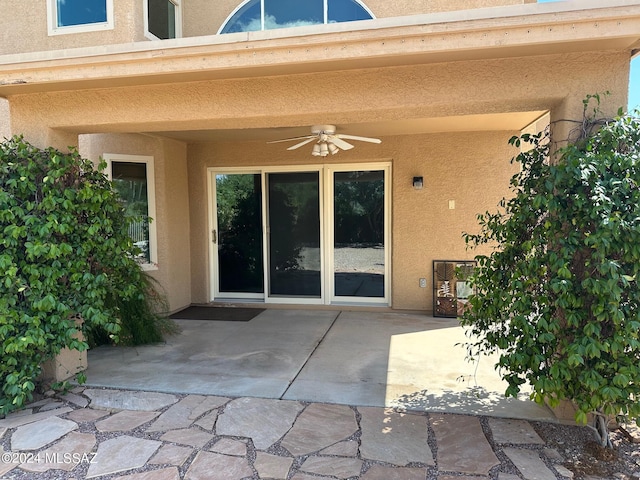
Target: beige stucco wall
x: 472, y: 169
x: 452, y: 164
x: 5, y: 124
x: 172, y: 204
x: 24, y: 28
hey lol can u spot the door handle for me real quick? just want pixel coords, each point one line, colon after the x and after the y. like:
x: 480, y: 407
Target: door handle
x: 214, y: 236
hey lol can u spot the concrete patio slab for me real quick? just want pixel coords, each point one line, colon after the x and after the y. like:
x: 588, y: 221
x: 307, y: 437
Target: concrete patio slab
x: 259, y: 358
x: 365, y: 358
x: 407, y: 361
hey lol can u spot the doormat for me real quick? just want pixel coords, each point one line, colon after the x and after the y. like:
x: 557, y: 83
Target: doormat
x: 224, y: 314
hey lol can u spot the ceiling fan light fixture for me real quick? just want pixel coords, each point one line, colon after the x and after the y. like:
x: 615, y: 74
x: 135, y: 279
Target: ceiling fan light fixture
x: 326, y: 140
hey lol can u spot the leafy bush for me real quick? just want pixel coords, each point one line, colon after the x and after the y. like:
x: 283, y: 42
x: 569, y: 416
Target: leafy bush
x: 65, y: 253
x: 559, y: 297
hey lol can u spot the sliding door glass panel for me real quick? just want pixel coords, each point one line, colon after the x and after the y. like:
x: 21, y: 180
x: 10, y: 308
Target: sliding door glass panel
x: 358, y: 254
x: 239, y: 233
x: 294, y: 234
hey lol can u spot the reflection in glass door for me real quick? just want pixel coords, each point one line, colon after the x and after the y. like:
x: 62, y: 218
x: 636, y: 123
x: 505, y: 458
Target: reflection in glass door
x: 359, y: 234
x: 293, y: 213
x: 238, y: 236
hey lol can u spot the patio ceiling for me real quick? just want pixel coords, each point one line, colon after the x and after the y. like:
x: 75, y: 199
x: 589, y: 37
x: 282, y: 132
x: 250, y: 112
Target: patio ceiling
x: 515, y: 121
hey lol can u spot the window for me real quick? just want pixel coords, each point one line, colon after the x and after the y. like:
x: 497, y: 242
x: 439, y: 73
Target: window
x: 271, y: 14
x: 75, y: 16
x: 133, y: 179
x: 162, y: 19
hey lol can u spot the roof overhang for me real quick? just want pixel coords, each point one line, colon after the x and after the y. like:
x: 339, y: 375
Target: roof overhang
x: 489, y: 33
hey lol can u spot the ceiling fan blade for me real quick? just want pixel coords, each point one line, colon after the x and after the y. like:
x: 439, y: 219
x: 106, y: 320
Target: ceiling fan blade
x: 298, y: 145
x: 362, y: 139
x: 294, y: 138
x: 338, y: 142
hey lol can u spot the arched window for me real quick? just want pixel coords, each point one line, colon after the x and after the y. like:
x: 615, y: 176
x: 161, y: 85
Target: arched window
x: 270, y: 14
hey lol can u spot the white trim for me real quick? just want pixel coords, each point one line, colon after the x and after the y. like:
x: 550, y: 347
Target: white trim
x: 54, y: 29
x: 151, y: 199
x: 214, y: 280
x: 329, y: 221
x: 178, y: 19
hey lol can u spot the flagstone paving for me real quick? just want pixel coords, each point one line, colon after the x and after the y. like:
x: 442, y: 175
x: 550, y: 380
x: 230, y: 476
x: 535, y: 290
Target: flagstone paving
x: 123, y: 435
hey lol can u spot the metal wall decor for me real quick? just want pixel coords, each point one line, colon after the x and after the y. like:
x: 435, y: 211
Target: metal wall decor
x: 451, y: 290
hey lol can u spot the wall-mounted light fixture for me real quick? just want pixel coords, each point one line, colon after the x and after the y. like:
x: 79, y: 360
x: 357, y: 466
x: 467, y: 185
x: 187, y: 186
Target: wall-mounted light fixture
x: 418, y: 183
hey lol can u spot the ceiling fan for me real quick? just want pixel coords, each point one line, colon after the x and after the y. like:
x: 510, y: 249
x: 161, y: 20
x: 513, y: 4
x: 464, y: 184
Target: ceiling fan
x: 327, y: 140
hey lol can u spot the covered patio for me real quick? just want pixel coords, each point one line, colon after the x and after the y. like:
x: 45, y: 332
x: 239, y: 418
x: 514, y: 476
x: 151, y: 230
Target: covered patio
x: 354, y: 357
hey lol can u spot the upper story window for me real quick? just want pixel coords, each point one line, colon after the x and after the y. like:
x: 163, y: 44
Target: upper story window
x: 163, y: 19
x: 75, y: 16
x: 270, y: 14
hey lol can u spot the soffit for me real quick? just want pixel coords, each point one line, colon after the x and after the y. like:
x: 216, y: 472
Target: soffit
x: 515, y: 121
x: 521, y: 30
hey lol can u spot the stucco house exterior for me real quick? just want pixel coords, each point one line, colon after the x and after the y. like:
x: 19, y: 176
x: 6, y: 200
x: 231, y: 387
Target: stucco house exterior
x: 181, y: 97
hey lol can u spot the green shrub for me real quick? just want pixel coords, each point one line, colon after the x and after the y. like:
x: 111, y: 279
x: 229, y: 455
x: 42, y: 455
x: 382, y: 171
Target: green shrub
x: 65, y: 253
x: 559, y: 299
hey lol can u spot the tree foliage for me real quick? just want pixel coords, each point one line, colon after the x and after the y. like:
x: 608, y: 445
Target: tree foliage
x: 65, y: 254
x: 559, y: 297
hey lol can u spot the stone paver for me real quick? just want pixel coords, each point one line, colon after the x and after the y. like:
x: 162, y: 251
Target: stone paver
x: 188, y: 436
x: 265, y: 421
x: 347, y: 448
x: 185, y: 412
x: 307, y: 476
x: 125, y: 420
x: 129, y: 400
x: 331, y: 466
x: 51, y: 406
x: 320, y: 426
x: 213, y: 466
x: 228, y: 446
x: 13, y: 421
x: 564, y: 472
x: 38, y: 434
x: 171, y: 455
x: 66, y: 454
x: 449, y: 477
x: 76, y: 399
x: 462, y: 445
x: 5, y: 466
x: 386, y: 473
x: 209, y: 439
x: 272, y: 466
x: 513, y: 431
x: 529, y: 463
x: 170, y: 473
x: 208, y: 421
x: 120, y: 454
x: 84, y: 415
x: 505, y: 476
x: 393, y: 437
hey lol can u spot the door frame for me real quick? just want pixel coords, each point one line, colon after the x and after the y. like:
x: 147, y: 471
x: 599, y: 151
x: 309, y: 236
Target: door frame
x: 329, y: 223
x: 325, y: 178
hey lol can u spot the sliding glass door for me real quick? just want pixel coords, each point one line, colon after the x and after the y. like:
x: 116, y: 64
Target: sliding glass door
x: 296, y: 236
x: 359, y: 234
x: 237, y: 235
